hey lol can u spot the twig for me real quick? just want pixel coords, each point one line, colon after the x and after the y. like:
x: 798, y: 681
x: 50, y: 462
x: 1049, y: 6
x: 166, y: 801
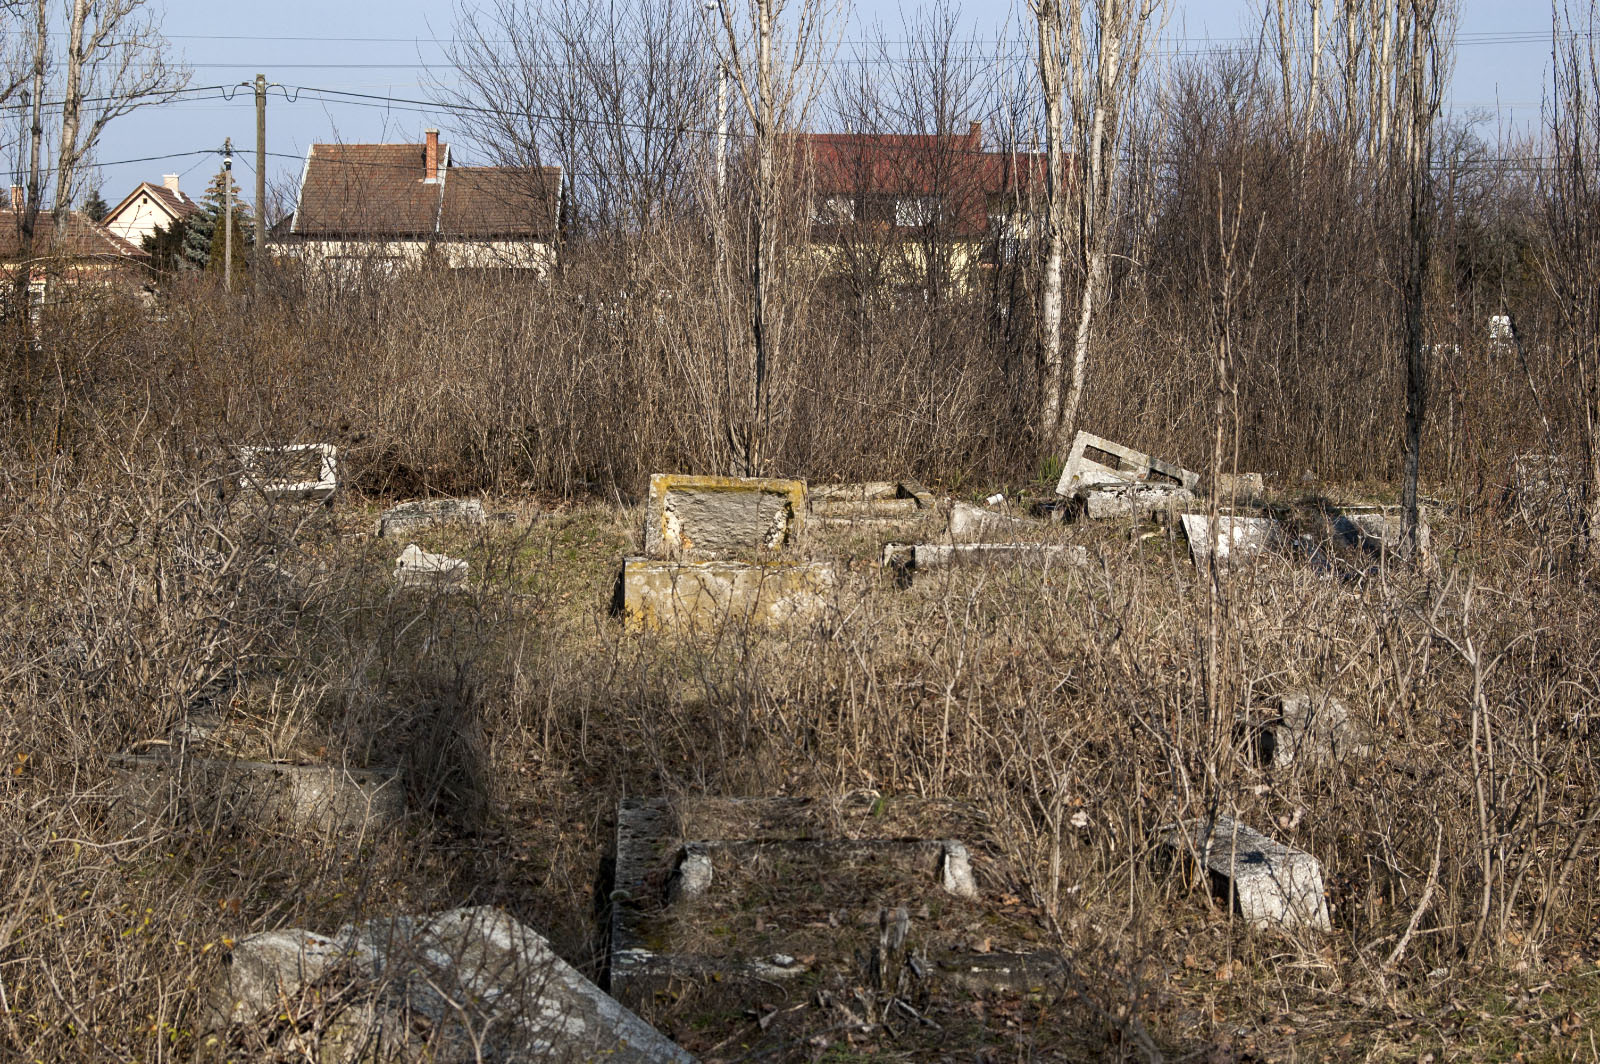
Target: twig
x: 1422, y: 906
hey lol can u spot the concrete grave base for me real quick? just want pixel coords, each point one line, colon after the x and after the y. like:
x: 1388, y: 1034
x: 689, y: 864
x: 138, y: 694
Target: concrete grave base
x: 691, y: 518
x: 824, y: 871
x: 703, y: 595
x: 1376, y: 529
x: 1095, y: 461
x: 879, y: 501
x: 1239, y: 488
x: 1134, y: 502
x: 969, y: 523
x: 485, y: 986
x: 262, y: 795
x: 925, y: 557
x: 1312, y: 729
x: 1273, y: 886
x: 1234, y: 538
x: 291, y: 473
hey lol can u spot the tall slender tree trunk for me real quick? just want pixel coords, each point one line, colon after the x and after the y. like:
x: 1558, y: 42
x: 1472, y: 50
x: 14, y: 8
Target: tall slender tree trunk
x: 1050, y: 81
x: 71, y: 118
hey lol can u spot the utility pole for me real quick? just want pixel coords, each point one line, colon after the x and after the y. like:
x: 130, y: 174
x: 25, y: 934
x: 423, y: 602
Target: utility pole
x: 256, y: 256
x: 227, y: 213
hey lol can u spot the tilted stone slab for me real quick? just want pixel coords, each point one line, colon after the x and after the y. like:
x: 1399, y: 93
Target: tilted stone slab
x: 321, y: 799
x: 1376, y: 529
x: 1094, y: 460
x: 1272, y: 885
x: 692, y: 518
x: 291, y: 473
x: 416, y: 568
x: 1234, y: 538
x: 969, y: 523
x: 408, y: 517
x: 488, y: 987
x: 704, y: 595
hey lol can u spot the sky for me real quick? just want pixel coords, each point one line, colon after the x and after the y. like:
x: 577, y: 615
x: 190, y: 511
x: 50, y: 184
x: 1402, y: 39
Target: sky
x: 311, y: 50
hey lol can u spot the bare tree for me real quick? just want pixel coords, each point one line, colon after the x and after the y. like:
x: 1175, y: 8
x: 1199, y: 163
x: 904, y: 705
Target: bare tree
x: 1091, y: 53
x: 116, y: 62
x: 1572, y: 265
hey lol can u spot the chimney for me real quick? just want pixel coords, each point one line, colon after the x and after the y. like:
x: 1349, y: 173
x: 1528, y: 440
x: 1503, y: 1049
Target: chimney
x: 16, y: 197
x: 975, y: 135
x: 171, y: 181
x: 430, y: 165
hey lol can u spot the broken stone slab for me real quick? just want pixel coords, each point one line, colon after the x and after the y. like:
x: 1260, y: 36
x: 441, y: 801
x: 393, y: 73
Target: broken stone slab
x: 1376, y: 529
x: 1312, y: 729
x: 290, y: 473
x: 691, y: 518
x: 890, y: 508
x: 485, y: 986
x: 1094, y: 461
x: 863, y: 491
x: 703, y: 595
x: 1273, y: 886
x: 1234, y: 537
x: 322, y: 799
x: 1239, y: 488
x: 416, y: 568
x: 1138, y: 502
x: 406, y: 518
x: 922, y: 557
x: 969, y: 522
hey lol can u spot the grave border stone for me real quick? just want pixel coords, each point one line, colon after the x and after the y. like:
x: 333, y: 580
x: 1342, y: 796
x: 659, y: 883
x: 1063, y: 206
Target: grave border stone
x: 662, y: 542
x: 319, y: 490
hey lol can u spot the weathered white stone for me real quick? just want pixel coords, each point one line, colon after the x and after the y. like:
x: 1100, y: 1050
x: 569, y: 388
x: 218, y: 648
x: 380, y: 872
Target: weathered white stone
x: 488, y: 987
x: 705, y: 595
x: 693, y: 876
x: 1233, y: 538
x: 1544, y: 486
x: 1272, y: 885
x: 695, y: 518
x: 417, y: 568
x: 1312, y: 729
x: 425, y: 513
x: 956, y: 870
x: 1142, y: 502
x: 969, y: 522
x: 924, y: 556
x: 297, y: 471
x: 1095, y: 461
x: 1377, y: 528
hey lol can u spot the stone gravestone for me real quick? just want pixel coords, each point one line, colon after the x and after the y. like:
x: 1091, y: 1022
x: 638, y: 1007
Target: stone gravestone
x: 692, y: 518
x: 484, y: 987
x: 294, y: 472
x: 704, y: 595
x: 406, y: 518
x: 1234, y: 537
x: 416, y: 568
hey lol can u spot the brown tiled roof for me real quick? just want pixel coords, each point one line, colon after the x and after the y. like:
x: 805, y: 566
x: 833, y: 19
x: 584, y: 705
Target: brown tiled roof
x: 500, y: 201
x: 381, y: 191
x: 84, y: 239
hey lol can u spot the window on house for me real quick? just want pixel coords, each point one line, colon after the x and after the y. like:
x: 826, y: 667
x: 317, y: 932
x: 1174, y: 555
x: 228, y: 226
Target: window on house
x: 914, y: 211
x: 833, y: 210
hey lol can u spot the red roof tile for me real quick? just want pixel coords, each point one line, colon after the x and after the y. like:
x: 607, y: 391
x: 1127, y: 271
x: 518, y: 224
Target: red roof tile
x: 84, y: 239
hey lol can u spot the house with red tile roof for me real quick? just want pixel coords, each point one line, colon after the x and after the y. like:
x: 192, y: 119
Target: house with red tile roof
x: 407, y: 205
x: 150, y: 207
x: 914, y: 202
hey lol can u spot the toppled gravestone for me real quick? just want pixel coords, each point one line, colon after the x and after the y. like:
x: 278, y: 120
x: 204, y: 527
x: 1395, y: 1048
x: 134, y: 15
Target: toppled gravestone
x: 1239, y: 488
x: 1094, y: 462
x: 1138, y: 502
x: 293, y: 472
x: 1312, y: 729
x: 925, y: 557
x: 969, y: 523
x: 877, y: 500
x: 704, y: 595
x: 1544, y: 487
x: 1234, y: 537
x: 408, y: 517
x: 692, y: 518
x: 1273, y: 886
x: 796, y: 890
x: 416, y: 568
x: 468, y: 985
x: 261, y: 795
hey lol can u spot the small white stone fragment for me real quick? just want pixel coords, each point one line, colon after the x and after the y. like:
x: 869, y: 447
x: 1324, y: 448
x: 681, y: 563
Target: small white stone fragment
x: 956, y: 869
x: 417, y: 568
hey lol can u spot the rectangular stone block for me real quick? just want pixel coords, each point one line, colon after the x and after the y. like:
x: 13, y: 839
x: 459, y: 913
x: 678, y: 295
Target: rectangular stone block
x: 294, y: 472
x: 1239, y: 488
x: 1094, y: 460
x: 704, y: 595
x: 1272, y: 885
x: 1376, y: 529
x: 406, y: 518
x: 1234, y: 538
x: 926, y: 556
x: 1133, y: 502
x: 969, y: 523
x: 691, y: 518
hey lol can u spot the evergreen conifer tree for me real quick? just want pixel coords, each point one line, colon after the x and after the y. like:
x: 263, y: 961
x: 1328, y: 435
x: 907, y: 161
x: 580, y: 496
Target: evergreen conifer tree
x: 202, y: 242
x: 95, y: 207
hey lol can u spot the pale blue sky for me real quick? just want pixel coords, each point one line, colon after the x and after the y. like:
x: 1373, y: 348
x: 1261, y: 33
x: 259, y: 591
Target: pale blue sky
x: 378, y: 48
